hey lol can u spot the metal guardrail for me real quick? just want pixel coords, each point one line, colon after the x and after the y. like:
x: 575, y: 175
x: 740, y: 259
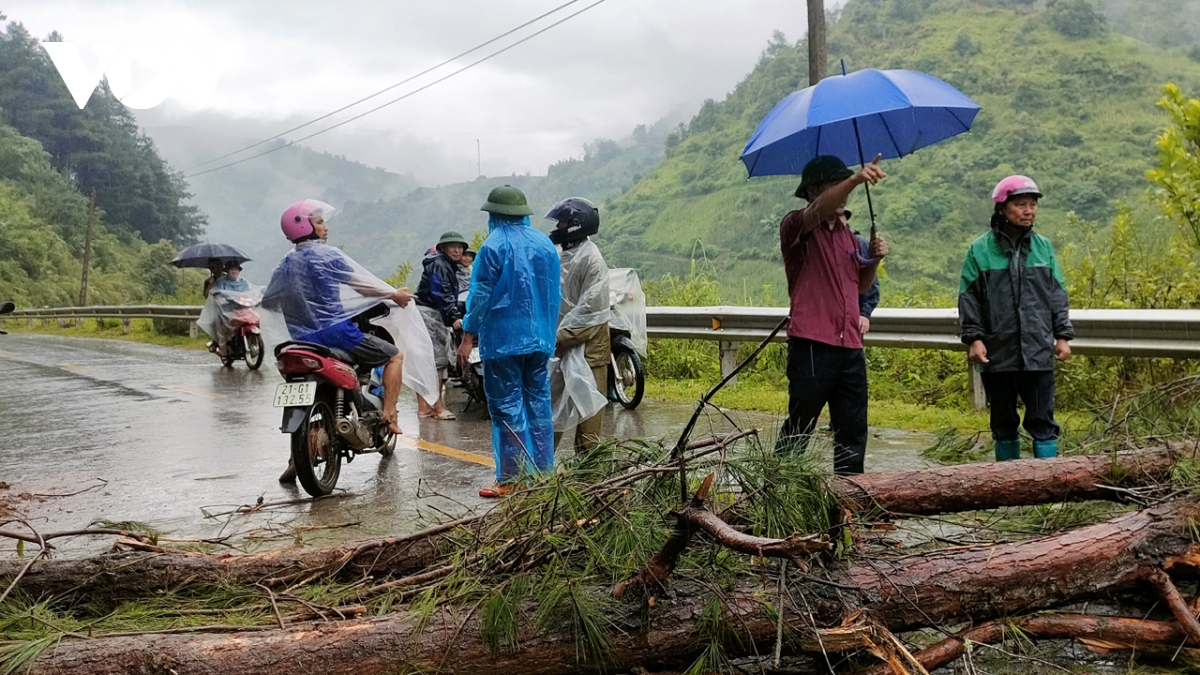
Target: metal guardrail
x: 111, y: 312
x: 1171, y: 333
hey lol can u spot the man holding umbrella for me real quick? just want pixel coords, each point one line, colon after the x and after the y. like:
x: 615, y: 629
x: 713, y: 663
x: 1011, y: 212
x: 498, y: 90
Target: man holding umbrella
x: 825, y: 276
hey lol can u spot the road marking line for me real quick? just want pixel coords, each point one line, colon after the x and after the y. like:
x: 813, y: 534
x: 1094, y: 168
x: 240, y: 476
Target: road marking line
x: 73, y: 366
x: 447, y: 451
x: 193, y: 392
x: 7, y: 353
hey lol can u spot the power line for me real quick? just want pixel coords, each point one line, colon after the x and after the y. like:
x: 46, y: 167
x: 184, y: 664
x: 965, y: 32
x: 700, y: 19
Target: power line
x: 386, y: 89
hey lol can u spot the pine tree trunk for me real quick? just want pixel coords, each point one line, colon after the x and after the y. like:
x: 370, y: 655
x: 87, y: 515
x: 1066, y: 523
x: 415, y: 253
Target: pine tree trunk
x: 941, y: 588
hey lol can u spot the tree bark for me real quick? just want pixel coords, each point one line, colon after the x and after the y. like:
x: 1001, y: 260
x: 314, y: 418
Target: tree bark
x: 120, y: 576
x: 1110, y: 632
x: 114, y: 577
x: 1022, y: 482
x: 940, y: 588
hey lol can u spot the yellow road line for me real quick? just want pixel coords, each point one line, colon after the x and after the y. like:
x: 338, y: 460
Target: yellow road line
x: 7, y: 353
x: 193, y: 392
x: 465, y: 456
x: 73, y: 366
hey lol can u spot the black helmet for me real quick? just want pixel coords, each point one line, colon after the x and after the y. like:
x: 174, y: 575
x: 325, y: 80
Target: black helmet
x: 581, y: 216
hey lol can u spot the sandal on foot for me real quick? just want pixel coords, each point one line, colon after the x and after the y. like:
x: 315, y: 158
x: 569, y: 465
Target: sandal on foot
x: 496, y: 491
x: 445, y: 415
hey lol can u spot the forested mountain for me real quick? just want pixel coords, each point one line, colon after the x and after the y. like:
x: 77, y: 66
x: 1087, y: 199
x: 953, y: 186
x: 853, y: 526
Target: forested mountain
x: 385, y: 234
x: 100, y: 147
x: 1064, y: 100
x: 243, y: 202
x: 52, y: 157
x: 43, y: 226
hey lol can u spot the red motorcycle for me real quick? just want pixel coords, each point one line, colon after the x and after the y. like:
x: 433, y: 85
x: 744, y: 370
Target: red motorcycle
x: 233, y: 314
x: 332, y: 408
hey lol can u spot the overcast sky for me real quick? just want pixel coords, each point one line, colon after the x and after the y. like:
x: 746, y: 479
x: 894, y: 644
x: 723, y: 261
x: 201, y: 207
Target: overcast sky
x: 622, y: 63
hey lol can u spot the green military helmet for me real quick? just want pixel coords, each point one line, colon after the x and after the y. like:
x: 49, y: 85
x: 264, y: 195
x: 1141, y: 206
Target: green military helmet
x: 453, y: 238
x: 507, y: 201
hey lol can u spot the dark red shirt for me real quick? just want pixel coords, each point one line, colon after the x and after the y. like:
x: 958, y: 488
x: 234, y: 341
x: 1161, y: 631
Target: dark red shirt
x: 822, y: 271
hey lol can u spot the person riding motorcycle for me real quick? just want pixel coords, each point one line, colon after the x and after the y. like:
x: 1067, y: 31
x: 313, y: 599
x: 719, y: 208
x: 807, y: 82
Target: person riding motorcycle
x: 584, y: 313
x: 229, y: 282
x: 315, y: 288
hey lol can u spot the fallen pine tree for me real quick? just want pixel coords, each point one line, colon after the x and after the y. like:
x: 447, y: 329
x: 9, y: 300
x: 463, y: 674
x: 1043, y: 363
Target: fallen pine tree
x: 681, y: 624
x: 126, y: 575
x: 529, y: 586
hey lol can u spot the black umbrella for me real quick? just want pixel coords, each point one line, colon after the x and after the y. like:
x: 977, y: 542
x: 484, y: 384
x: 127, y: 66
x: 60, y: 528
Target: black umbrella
x: 198, y: 255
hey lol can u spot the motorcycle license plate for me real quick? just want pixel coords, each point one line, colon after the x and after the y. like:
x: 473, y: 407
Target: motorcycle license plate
x: 292, y: 394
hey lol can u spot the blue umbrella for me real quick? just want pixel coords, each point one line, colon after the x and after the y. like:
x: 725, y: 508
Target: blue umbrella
x: 886, y: 112
x: 198, y: 255
x: 868, y: 112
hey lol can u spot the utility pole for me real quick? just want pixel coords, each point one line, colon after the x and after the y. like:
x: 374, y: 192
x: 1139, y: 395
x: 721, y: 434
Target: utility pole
x: 87, y: 252
x: 478, y: 160
x: 816, y: 41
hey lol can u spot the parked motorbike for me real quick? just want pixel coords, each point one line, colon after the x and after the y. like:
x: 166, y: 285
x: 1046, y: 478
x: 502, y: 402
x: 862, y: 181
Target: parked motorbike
x: 627, y: 333
x: 469, y: 373
x: 626, y: 376
x: 332, y: 407
x: 6, y: 307
x: 232, y: 313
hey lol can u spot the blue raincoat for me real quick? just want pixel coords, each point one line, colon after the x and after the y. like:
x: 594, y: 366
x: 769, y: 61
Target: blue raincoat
x: 513, y: 308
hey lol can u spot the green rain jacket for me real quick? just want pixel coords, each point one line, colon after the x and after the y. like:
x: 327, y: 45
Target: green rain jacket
x: 1012, y: 297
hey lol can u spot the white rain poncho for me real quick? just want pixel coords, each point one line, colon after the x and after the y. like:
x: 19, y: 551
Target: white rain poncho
x: 573, y: 390
x: 628, y: 306
x: 585, y: 300
x: 225, y: 306
x: 317, y: 290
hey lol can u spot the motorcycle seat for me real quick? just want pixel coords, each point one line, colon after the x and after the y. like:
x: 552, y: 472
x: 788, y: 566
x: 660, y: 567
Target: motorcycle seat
x: 320, y: 350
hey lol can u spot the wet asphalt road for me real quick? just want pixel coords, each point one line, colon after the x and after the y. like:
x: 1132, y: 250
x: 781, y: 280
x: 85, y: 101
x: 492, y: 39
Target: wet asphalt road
x: 169, y: 438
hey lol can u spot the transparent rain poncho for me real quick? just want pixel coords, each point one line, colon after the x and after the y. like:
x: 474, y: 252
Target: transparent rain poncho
x: 315, y: 292
x: 628, y: 306
x: 227, y: 306
x: 585, y: 288
x: 573, y: 390
x: 515, y: 291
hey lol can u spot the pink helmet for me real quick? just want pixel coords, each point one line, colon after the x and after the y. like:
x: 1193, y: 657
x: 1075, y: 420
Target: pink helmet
x: 296, y: 221
x: 1013, y: 186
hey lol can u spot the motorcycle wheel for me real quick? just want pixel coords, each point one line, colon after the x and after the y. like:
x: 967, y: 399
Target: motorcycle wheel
x: 253, y: 351
x: 628, y: 377
x: 314, y: 450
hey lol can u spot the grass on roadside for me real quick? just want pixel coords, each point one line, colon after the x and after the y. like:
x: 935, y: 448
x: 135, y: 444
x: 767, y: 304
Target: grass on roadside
x: 140, y: 330
x: 765, y: 397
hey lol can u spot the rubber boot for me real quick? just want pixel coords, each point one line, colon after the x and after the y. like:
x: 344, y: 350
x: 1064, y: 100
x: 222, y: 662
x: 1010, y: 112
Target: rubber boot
x: 1045, y: 449
x: 1006, y: 450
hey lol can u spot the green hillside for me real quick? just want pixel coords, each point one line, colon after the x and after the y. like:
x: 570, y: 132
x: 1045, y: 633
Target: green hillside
x: 384, y: 234
x: 1076, y: 113
x: 43, y: 225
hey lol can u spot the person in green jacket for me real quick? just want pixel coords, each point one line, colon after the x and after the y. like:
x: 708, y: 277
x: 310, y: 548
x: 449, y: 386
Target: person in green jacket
x: 1015, y: 319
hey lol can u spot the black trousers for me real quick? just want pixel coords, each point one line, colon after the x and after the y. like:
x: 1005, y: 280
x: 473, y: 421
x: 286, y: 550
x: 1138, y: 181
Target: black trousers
x: 819, y: 374
x: 1036, y: 390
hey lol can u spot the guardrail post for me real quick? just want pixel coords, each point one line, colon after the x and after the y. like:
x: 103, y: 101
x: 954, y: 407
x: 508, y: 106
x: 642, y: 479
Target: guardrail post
x: 193, y: 330
x: 975, y: 392
x: 125, y: 326
x: 729, y: 351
